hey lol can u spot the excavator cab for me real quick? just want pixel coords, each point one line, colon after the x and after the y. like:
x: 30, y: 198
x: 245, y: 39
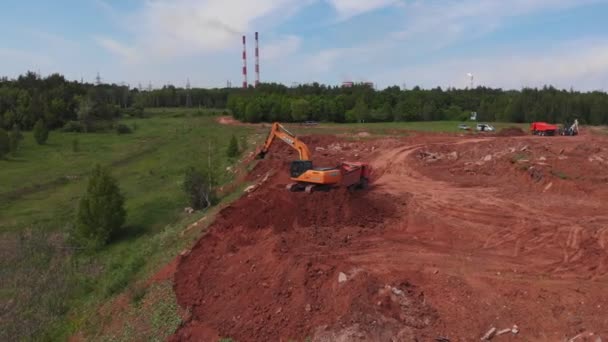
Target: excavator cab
x: 298, y: 167
x: 305, y: 176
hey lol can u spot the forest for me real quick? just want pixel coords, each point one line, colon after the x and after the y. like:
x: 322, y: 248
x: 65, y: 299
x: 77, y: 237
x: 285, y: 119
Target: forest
x: 77, y: 106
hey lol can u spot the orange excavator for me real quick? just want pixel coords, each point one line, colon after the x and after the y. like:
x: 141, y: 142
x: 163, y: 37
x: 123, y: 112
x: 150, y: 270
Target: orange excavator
x: 305, y: 177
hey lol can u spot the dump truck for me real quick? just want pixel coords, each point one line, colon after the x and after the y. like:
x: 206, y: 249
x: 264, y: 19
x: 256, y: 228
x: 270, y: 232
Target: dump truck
x: 543, y: 128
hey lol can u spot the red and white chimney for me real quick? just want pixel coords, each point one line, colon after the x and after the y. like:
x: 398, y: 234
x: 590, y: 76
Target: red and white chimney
x: 244, y: 64
x: 257, y: 61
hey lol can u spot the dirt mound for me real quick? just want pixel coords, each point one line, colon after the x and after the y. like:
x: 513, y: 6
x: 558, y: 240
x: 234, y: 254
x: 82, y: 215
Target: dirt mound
x: 275, y: 255
x: 264, y: 256
x: 511, y: 132
x: 535, y: 163
x: 229, y: 120
x: 455, y: 236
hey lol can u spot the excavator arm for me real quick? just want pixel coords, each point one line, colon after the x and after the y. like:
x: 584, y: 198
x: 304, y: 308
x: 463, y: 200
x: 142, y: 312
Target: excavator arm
x: 278, y: 131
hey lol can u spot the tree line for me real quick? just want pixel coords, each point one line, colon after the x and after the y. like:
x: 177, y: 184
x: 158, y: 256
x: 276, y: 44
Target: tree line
x: 361, y: 103
x: 77, y: 106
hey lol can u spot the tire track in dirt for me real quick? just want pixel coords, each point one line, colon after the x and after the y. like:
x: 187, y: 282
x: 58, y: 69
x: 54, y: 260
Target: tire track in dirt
x: 480, y: 209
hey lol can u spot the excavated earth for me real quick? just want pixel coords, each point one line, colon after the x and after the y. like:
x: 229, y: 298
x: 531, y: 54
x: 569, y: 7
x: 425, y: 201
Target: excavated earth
x: 457, y: 235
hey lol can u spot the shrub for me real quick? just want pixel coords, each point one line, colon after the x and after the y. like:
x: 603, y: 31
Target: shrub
x: 72, y: 126
x: 5, y: 144
x: 138, y: 111
x: 41, y: 132
x: 123, y: 129
x: 101, y: 210
x: 15, y: 138
x: 75, y: 145
x: 199, y: 186
x: 233, y: 148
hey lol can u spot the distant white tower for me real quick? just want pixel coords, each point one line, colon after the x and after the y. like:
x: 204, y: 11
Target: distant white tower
x: 471, y: 78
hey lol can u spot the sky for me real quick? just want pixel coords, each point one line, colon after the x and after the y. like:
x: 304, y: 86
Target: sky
x: 507, y: 44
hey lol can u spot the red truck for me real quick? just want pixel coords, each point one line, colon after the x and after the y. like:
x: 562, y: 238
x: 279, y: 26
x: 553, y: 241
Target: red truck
x: 543, y: 128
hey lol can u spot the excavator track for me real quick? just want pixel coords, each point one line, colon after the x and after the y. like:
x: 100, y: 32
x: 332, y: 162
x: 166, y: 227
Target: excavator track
x: 308, y: 188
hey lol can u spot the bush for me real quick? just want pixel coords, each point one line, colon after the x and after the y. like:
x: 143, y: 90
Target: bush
x: 15, y: 138
x: 199, y: 186
x: 5, y: 144
x: 233, y: 148
x: 75, y: 145
x: 41, y: 132
x: 123, y: 129
x: 135, y: 111
x: 138, y: 111
x: 72, y: 126
x: 101, y: 210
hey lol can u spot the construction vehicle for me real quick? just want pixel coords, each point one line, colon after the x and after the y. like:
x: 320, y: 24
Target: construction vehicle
x: 543, y: 128
x: 305, y: 177
x: 571, y: 130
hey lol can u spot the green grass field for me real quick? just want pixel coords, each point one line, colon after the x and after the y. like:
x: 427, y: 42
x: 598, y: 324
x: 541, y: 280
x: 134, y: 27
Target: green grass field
x: 39, y: 192
x: 393, y: 128
x: 52, y: 290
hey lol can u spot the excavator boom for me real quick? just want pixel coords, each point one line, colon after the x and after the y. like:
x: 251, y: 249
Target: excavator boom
x: 308, y: 178
x: 278, y: 131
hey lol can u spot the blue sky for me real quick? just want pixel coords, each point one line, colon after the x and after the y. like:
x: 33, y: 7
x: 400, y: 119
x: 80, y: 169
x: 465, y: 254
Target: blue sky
x: 506, y: 44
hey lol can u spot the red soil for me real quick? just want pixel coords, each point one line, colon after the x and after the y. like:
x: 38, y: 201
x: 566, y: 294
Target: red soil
x: 448, y: 242
x: 511, y: 132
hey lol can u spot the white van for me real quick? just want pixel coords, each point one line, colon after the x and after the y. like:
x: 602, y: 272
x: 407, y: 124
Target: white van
x: 482, y: 127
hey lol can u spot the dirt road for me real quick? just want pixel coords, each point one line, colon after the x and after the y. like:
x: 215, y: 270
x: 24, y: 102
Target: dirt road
x: 457, y: 235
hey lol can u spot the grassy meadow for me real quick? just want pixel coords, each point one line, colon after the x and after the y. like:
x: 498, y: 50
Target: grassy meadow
x: 50, y: 289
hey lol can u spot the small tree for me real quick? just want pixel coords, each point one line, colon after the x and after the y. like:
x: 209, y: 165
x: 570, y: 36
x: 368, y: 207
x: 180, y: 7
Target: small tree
x: 300, y: 110
x: 123, y: 129
x: 253, y: 113
x: 360, y: 111
x: 75, y: 145
x: 199, y: 186
x: 9, y: 119
x: 5, y: 145
x: 15, y: 138
x: 41, y: 132
x: 85, y: 108
x: 233, y: 148
x: 101, y: 210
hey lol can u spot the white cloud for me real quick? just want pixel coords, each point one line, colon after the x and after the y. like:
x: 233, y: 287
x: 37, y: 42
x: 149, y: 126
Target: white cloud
x: 452, y: 19
x: 103, y: 5
x: 16, y: 61
x: 165, y: 29
x: 583, y: 63
x: 324, y: 60
x: 280, y: 48
x: 129, y: 54
x: 202, y: 37
x: 429, y: 26
x: 351, y: 8
x: 52, y: 39
x: 24, y: 56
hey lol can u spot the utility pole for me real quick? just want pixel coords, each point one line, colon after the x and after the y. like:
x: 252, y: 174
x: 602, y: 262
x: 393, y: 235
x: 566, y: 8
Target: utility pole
x: 188, y: 98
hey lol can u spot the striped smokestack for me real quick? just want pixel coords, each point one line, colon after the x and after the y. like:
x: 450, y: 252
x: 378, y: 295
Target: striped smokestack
x: 257, y: 61
x: 244, y: 64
